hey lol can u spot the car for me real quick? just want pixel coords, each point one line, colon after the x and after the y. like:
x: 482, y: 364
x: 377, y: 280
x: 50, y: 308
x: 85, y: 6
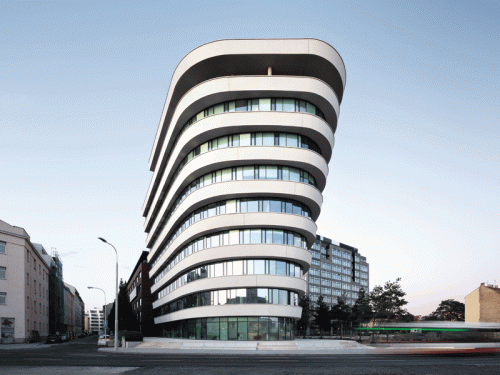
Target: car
x: 53, y: 339
x: 104, y: 340
x: 64, y: 338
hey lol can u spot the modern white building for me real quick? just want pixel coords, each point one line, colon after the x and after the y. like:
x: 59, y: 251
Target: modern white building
x: 96, y: 320
x: 239, y: 162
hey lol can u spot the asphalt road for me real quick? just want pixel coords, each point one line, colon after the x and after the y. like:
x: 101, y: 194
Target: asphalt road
x: 82, y: 357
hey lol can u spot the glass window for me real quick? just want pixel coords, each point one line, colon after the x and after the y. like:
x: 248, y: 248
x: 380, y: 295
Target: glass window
x: 272, y: 172
x: 245, y: 139
x: 255, y: 104
x: 289, y: 105
x: 253, y: 206
x: 3, y: 245
x: 222, y: 142
x: 212, y: 328
x: 259, y: 267
x: 302, y: 106
x: 3, y: 271
x: 241, y: 105
x: 294, y: 175
x: 264, y: 328
x: 226, y: 174
x: 268, y: 139
x: 278, y: 237
x: 282, y: 140
x: 262, y: 295
x: 310, y: 108
x: 275, y: 205
x: 236, y: 140
x: 292, y: 140
x: 264, y: 104
x: 219, y: 108
x: 281, y: 268
x: 257, y: 139
x: 273, y: 328
x: 269, y: 236
x: 232, y: 106
x: 271, y: 267
x: 253, y: 328
x: 278, y: 104
x: 248, y: 173
x: 242, y: 329
x: 255, y: 236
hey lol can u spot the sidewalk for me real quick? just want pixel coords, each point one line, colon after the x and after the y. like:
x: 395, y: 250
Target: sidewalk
x: 171, y: 346
x: 153, y: 345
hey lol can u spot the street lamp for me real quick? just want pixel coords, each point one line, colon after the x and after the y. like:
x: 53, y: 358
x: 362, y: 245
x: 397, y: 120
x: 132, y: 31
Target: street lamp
x: 116, y: 300
x: 105, y: 315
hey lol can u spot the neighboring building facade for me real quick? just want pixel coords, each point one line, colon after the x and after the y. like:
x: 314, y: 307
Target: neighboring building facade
x: 74, y: 310
x: 69, y: 313
x: 139, y: 291
x: 96, y: 320
x: 79, y: 314
x: 56, y: 296
x: 483, y: 305
x: 336, y: 268
x: 24, y: 286
x: 240, y: 160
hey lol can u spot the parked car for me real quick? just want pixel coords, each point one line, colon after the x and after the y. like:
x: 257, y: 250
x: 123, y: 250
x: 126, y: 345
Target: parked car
x: 105, y: 339
x: 53, y: 339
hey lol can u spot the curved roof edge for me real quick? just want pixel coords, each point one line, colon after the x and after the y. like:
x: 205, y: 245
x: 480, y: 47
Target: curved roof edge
x: 304, y: 57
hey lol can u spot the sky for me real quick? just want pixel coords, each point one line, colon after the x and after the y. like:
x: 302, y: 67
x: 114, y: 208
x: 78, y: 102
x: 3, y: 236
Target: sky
x: 414, y: 176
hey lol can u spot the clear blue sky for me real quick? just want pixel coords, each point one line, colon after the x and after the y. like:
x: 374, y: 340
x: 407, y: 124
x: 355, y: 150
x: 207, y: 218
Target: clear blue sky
x: 414, y: 177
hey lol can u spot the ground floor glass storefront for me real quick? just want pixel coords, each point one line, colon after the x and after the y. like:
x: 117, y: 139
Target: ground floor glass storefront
x: 250, y: 328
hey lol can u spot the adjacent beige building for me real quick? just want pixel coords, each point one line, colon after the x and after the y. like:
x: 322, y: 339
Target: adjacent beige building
x: 483, y: 305
x: 24, y: 286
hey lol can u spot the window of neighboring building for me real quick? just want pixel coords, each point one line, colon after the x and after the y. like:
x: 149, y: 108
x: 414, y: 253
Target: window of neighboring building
x: 2, y: 247
x: 3, y: 298
x: 3, y: 271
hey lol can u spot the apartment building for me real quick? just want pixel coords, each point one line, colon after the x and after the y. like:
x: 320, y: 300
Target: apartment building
x: 139, y: 291
x: 95, y: 320
x: 239, y: 162
x: 24, y: 286
x: 336, y: 269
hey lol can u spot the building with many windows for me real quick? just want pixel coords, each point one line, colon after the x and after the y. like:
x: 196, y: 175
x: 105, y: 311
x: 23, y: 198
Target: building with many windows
x: 24, y: 286
x: 336, y: 268
x: 139, y: 292
x: 96, y: 320
x: 239, y: 162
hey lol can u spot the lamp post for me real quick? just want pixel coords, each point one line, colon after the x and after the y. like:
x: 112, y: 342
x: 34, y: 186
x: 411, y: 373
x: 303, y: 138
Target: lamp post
x: 116, y: 300
x: 105, y: 315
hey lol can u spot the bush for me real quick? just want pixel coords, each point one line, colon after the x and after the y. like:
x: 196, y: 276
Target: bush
x: 130, y: 335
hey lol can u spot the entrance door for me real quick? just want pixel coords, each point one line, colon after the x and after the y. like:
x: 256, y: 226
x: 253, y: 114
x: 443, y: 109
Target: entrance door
x: 7, y: 330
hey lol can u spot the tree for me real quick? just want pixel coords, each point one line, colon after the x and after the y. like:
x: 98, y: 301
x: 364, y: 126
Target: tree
x: 126, y: 319
x: 449, y: 310
x: 322, y: 315
x: 387, y: 301
x: 362, y: 311
x: 305, y: 303
x: 341, y: 312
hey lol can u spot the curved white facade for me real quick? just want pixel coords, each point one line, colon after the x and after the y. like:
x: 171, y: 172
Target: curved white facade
x: 239, y: 163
